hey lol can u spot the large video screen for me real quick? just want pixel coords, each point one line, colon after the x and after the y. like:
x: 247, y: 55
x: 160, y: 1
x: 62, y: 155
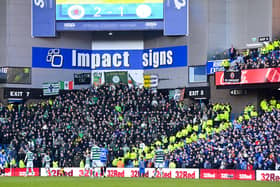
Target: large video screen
x: 109, y: 9
x: 15, y: 75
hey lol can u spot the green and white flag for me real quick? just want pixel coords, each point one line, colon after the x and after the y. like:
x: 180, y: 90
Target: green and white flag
x: 116, y: 77
x: 51, y: 88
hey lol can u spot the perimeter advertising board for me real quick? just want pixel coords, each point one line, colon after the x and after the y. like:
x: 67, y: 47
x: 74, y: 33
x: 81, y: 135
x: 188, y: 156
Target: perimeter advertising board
x: 20, y: 172
x: 227, y: 174
x: 265, y: 175
x: 128, y: 172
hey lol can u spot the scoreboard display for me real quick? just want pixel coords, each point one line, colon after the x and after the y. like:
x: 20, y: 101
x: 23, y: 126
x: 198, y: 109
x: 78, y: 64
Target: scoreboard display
x: 52, y: 16
x: 109, y: 9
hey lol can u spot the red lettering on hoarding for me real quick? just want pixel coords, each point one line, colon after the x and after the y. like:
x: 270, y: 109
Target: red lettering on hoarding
x: 85, y: 173
x: 121, y: 174
x: 270, y: 177
x: 147, y: 174
x: 115, y: 173
x: 110, y: 173
x: 166, y: 174
x: 134, y: 173
x: 69, y: 173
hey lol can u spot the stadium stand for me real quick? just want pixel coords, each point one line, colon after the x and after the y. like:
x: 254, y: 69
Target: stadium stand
x: 130, y: 124
x: 251, y: 143
x: 267, y: 56
x: 133, y: 122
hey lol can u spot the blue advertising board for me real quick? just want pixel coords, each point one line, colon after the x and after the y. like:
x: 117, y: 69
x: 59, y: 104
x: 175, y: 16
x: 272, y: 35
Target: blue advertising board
x: 80, y: 59
x: 214, y: 66
x: 176, y: 17
x: 109, y: 9
x: 43, y: 18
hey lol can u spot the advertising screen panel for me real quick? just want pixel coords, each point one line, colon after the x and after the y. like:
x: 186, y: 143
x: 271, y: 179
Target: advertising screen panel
x: 252, y: 76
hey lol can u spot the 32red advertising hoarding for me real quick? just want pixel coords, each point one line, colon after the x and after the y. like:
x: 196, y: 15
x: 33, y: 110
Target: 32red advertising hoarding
x: 266, y: 175
x: 251, y: 76
x: 227, y: 174
x: 20, y: 172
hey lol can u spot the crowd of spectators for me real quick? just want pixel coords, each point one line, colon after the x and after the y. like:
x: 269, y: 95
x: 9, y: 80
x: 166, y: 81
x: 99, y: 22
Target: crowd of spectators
x: 120, y: 118
x: 266, y: 57
x: 253, y: 142
x: 131, y: 122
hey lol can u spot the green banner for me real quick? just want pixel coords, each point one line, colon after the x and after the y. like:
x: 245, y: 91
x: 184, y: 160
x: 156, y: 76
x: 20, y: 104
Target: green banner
x: 116, y: 77
x: 51, y: 88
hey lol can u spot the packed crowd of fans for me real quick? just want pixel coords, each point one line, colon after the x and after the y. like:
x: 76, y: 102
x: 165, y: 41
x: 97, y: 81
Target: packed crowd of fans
x: 266, y: 57
x: 131, y: 122
x: 253, y: 142
x: 120, y: 118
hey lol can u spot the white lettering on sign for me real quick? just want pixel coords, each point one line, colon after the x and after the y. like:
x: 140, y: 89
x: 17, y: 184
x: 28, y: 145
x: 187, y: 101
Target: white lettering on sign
x: 19, y: 94
x: 152, y: 58
x: 16, y: 94
x: 40, y: 3
x: 71, y: 25
x: 151, y: 24
x: 179, y: 4
x: 157, y: 58
x: 96, y: 60
x: 209, y: 175
x: 194, y: 93
x: 245, y: 176
x: 3, y: 70
x: 201, y: 92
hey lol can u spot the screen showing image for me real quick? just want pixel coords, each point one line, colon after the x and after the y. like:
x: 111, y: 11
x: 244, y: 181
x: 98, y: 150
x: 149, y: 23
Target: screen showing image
x: 109, y: 9
x: 19, y: 75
